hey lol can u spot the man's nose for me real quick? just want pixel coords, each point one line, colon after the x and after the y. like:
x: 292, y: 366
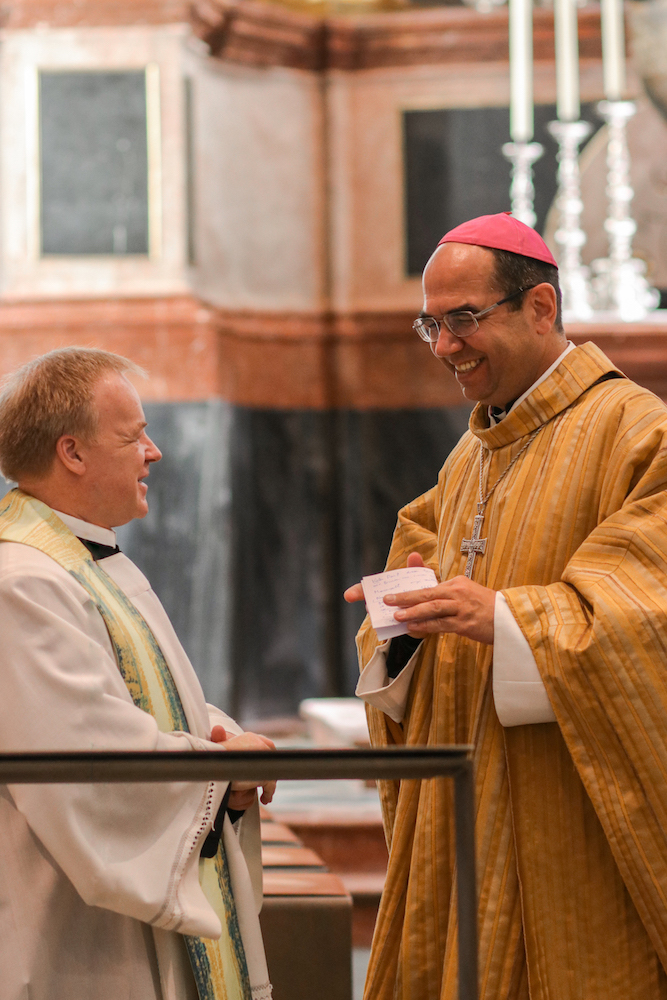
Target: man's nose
x: 446, y: 344
x: 153, y: 453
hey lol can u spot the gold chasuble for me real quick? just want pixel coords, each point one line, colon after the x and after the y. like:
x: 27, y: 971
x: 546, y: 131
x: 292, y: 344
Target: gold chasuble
x: 219, y: 967
x: 571, y: 816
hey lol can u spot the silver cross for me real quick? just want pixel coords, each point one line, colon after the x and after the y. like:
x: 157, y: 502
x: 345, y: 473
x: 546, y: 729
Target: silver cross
x: 474, y: 546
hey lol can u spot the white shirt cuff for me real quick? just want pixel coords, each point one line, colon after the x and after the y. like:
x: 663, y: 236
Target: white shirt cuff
x: 518, y: 690
x: 375, y: 686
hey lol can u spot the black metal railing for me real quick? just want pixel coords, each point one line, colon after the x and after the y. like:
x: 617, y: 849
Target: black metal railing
x: 393, y: 763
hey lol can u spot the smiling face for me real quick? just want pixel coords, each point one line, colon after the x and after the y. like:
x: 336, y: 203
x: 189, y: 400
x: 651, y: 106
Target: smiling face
x: 512, y: 348
x: 117, y: 461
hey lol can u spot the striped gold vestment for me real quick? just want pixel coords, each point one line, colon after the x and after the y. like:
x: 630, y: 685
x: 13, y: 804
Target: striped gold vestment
x: 571, y: 816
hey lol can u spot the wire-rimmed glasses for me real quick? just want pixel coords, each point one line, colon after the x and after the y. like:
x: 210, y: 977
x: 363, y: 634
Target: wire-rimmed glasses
x: 462, y: 323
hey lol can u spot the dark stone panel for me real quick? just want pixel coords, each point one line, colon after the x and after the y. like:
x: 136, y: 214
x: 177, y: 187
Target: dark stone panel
x: 183, y: 544
x: 455, y: 170
x: 280, y: 478
x: 315, y: 498
x: 94, y: 165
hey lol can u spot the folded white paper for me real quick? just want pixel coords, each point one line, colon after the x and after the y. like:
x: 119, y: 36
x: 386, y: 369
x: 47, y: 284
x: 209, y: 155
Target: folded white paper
x: 396, y: 581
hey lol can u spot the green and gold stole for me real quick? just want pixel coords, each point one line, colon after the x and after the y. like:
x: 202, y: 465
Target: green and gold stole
x: 219, y: 967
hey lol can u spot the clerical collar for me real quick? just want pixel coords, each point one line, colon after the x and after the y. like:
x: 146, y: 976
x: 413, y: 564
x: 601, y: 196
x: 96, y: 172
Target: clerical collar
x: 89, y: 532
x: 496, y: 413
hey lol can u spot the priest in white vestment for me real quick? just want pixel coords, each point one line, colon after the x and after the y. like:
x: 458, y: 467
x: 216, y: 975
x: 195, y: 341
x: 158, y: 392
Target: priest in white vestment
x: 100, y: 884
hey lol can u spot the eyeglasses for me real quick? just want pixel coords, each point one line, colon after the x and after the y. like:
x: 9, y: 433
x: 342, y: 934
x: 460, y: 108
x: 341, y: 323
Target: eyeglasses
x: 462, y: 324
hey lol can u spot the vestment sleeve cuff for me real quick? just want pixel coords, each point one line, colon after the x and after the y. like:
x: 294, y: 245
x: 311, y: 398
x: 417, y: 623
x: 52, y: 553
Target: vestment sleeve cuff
x: 518, y: 690
x: 376, y: 688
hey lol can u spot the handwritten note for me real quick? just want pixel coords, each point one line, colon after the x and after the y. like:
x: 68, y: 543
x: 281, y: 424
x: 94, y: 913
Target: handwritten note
x: 396, y: 581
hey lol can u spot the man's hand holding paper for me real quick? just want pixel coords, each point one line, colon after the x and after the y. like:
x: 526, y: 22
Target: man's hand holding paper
x: 458, y: 605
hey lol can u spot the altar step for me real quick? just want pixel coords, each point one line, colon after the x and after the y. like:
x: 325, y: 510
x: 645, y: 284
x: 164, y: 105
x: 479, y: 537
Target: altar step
x: 306, y: 920
x: 354, y: 850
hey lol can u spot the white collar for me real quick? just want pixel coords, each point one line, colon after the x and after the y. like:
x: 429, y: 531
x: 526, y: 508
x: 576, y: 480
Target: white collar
x: 91, y: 532
x: 545, y: 375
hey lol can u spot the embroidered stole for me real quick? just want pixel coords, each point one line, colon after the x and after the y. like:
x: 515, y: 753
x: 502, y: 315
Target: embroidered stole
x: 219, y: 967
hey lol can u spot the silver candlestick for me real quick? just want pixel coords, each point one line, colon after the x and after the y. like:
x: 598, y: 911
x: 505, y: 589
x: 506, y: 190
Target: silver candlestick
x: 570, y: 237
x: 522, y: 155
x: 619, y: 282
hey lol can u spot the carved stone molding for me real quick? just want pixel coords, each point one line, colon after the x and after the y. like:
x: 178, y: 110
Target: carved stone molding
x: 302, y: 361
x: 444, y: 35
x: 91, y: 13
x: 263, y: 34
x: 260, y: 34
x: 252, y: 32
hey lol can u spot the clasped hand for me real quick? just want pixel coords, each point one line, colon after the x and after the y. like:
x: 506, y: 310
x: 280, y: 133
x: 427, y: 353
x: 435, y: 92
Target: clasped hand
x: 458, y: 605
x: 243, y: 793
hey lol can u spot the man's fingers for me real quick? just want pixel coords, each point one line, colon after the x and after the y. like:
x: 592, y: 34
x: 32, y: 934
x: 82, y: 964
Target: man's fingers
x: 269, y: 744
x: 355, y: 593
x: 243, y: 793
x: 239, y: 801
x: 440, y: 625
x: 249, y: 741
x: 427, y: 610
x: 268, y: 792
x: 409, y: 598
x: 414, y: 559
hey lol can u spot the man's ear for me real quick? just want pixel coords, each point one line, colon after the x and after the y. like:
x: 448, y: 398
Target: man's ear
x: 544, y: 305
x: 68, y: 451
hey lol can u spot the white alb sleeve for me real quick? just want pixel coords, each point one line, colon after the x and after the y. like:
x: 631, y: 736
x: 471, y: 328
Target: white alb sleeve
x: 518, y: 690
x: 375, y: 686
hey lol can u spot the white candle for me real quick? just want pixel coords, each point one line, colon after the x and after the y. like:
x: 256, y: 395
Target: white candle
x: 521, y: 70
x: 613, y: 49
x: 567, y: 60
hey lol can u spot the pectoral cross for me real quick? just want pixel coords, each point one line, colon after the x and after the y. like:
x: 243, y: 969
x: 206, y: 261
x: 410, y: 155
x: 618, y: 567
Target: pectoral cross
x: 474, y: 546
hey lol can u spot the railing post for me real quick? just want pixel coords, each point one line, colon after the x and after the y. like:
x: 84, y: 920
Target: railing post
x: 464, y: 811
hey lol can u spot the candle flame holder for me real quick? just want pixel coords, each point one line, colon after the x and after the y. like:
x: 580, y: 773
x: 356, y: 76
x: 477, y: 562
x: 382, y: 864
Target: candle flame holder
x: 522, y: 155
x: 570, y: 237
x: 619, y: 282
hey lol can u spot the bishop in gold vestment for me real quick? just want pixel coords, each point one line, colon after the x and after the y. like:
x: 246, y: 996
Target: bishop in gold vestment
x: 571, y: 822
